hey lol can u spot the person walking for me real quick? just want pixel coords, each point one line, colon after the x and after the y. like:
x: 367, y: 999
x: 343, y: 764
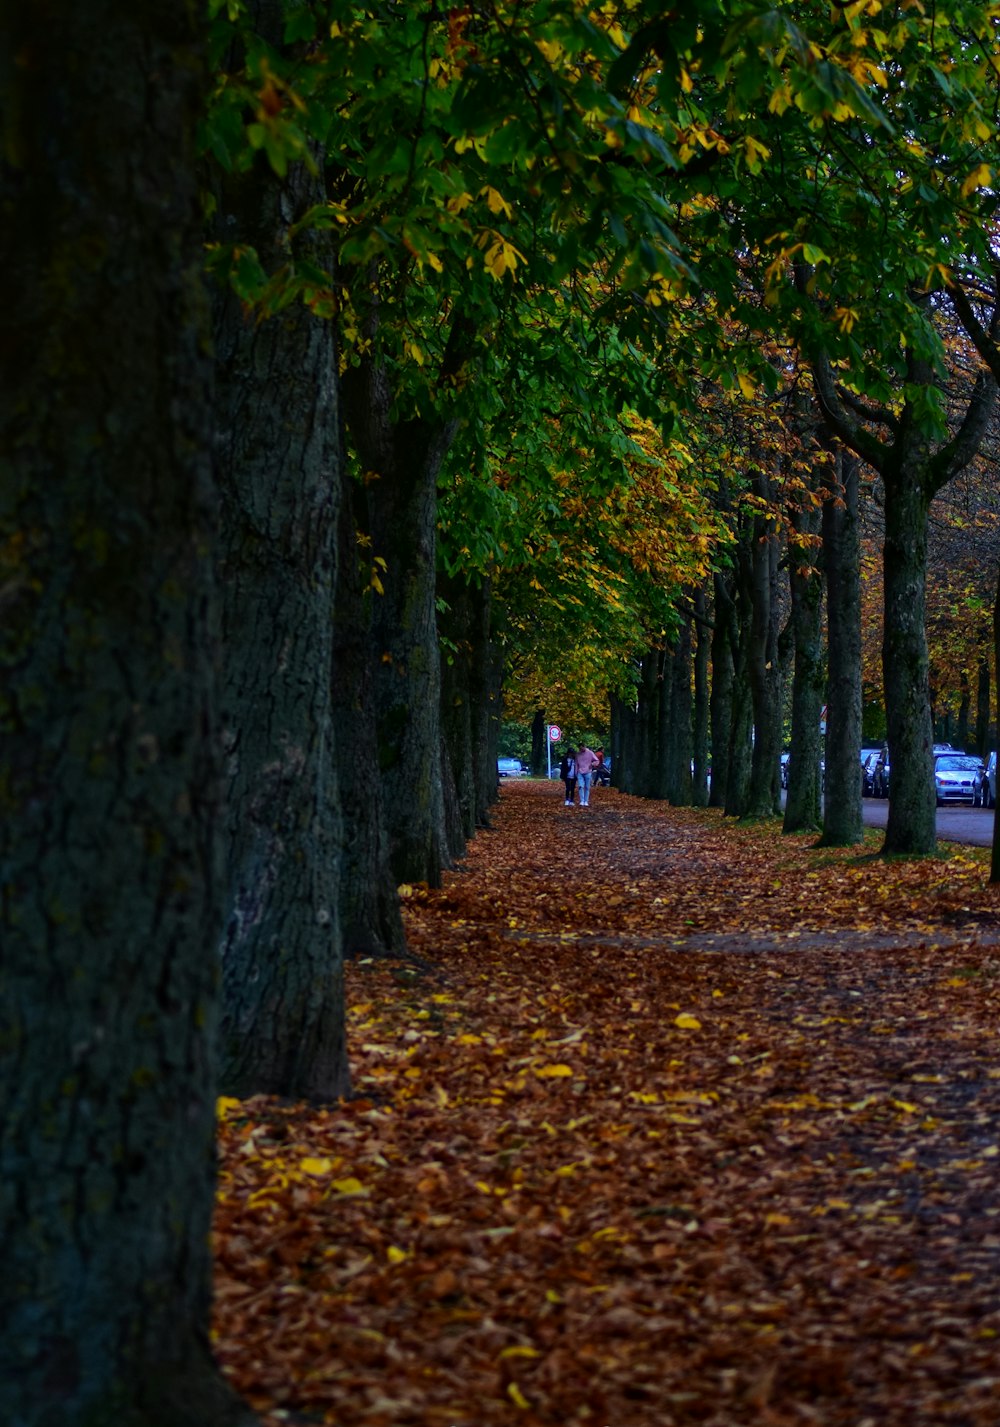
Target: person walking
x: 586, y: 762
x: 567, y: 772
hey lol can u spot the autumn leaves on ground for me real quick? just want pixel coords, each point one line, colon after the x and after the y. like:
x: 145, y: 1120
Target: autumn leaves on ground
x: 672, y: 1121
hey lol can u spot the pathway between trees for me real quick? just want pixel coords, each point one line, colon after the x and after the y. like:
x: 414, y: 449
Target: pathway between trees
x: 673, y: 1122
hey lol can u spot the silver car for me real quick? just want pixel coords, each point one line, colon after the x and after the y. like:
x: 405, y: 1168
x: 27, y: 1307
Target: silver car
x: 955, y: 777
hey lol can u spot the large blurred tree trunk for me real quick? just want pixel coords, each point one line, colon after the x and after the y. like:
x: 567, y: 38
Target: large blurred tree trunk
x: 279, y: 469
x: 110, y: 915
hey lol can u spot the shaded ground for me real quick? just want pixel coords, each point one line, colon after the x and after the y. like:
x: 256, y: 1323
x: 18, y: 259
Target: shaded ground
x: 682, y: 1122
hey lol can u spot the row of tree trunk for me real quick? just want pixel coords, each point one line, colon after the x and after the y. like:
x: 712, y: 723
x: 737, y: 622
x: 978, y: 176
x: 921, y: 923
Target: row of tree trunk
x: 760, y: 637
x: 227, y: 730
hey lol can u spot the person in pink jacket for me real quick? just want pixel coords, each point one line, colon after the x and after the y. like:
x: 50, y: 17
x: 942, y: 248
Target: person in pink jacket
x: 586, y: 761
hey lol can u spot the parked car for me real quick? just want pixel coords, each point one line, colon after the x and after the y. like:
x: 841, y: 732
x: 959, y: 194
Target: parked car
x: 984, y: 789
x: 954, y: 777
x: 869, y: 757
x: 510, y: 768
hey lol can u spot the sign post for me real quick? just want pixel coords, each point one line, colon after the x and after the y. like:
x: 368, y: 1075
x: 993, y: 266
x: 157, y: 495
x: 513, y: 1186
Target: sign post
x: 555, y: 733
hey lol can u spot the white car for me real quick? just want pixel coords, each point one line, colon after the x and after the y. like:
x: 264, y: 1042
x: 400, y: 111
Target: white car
x: 955, y: 777
x: 510, y: 768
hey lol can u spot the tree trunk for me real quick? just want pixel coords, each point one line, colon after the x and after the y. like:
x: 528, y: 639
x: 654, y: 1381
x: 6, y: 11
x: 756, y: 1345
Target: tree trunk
x: 677, y: 673
x: 962, y: 729
x: 764, y: 798
x: 803, y: 799
x: 740, y: 748
x: 278, y: 463
x: 486, y: 699
x: 721, y: 697
x: 622, y: 742
x: 843, y: 824
x: 661, y: 772
x: 702, y: 655
x: 995, y: 852
x: 457, y: 623
x: 111, y: 907
x: 539, y: 739
x: 911, y: 825
x: 402, y: 461
x: 370, y: 919
x: 644, y: 779
x: 983, y: 708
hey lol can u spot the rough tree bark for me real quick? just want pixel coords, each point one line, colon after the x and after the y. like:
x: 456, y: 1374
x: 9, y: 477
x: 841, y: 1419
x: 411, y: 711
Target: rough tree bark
x: 676, y: 741
x: 843, y: 822
x: 401, y: 461
x: 720, y: 702
x: 702, y: 658
x: 644, y: 774
x: 914, y: 466
x: 279, y: 467
x: 740, y: 746
x: 764, y: 794
x: 803, y: 798
x: 370, y: 920
x: 539, y: 753
x: 983, y: 707
x: 912, y: 821
x: 111, y: 903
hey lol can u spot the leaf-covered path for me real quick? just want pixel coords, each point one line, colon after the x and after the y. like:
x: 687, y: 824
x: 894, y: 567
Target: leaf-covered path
x: 676, y: 1122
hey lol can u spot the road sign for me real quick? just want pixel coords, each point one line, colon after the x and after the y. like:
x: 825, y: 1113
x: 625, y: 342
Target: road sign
x: 555, y: 733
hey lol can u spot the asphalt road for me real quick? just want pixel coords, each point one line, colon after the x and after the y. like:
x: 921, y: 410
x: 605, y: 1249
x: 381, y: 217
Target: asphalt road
x: 955, y: 824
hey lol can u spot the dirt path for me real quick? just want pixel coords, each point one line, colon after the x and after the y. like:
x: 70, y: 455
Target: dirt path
x: 680, y: 1123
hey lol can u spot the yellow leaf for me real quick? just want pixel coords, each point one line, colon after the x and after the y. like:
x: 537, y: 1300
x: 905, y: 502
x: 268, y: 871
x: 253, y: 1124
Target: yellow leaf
x: 519, y: 1351
x: 496, y: 202
x: 517, y: 1396
x: 395, y: 1255
x: 687, y: 1023
x: 348, y: 1186
x: 747, y: 387
x: 315, y: 1166
x: 980, y: 177
x: 553, y: 1072
x: 226, y: 1104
